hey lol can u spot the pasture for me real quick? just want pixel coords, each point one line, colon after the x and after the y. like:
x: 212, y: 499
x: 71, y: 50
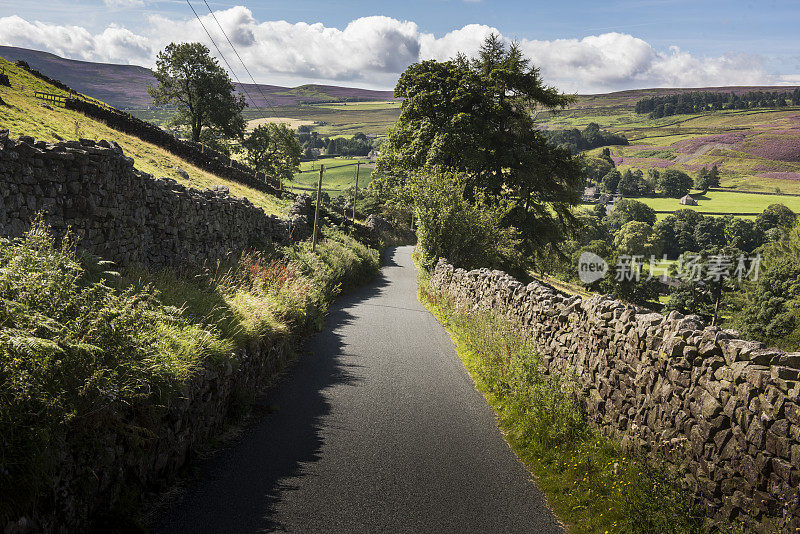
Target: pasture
x: 338, y: 178
x: 724, y: 202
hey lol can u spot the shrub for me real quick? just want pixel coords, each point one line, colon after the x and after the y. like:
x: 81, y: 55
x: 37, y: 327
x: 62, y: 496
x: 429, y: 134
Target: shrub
x: 468, y: 234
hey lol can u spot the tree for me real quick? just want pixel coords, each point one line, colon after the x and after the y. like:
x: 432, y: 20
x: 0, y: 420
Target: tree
x: 701, y: 182
x: 627, y: 210
x: 776, y: 216
x: 742, y: 234
x: 474, y: 118
x: 713, y: 176
x: 710, y: 233
x: 595, y: 168
x: 770, y: 310
x: 676, y: 232
x: 189, y: 78
x: 675, y: 183
x: 467, y: 234
x: 610, y: 181
x: 274, y: 150
x: 633, y: 184
x: 637, y: 238
x: 707, y: 178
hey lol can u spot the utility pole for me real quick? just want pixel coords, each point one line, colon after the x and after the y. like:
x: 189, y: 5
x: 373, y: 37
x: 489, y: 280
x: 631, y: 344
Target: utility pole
x: 316, y: 209
x: 355, y: 192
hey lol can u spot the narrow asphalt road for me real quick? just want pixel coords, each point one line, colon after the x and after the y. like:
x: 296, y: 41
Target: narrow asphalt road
x: 377, y: 429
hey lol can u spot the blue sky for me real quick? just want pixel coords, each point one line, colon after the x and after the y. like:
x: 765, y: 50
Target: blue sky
x: 581, y: 45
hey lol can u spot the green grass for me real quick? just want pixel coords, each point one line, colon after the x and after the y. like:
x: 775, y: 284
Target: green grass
x: 338, y: 178
x: 25, y: 116
x: 590, y: 484
x: 725, y: 202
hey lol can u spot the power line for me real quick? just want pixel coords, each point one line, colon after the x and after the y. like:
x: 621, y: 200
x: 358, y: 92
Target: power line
x: 220, y: 53
x: 258, y: 87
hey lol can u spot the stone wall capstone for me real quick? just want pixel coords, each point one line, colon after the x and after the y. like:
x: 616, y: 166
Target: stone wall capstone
x: 722, y: 410
x: 122, y: 214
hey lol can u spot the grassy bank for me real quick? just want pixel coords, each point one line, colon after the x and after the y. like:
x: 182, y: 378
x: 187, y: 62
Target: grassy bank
x: 26, y: 115
x: 589, y: 482
x: 83, y: 346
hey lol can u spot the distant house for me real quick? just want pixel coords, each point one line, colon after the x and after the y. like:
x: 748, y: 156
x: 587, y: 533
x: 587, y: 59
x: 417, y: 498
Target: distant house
x: 688, y: 201
x: 590, y: 195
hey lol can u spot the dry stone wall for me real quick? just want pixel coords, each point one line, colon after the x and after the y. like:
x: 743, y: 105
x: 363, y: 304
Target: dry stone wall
x: 195, y: 153
x: 722, y: 410
x: 122, y: 214
x: 89, y: 481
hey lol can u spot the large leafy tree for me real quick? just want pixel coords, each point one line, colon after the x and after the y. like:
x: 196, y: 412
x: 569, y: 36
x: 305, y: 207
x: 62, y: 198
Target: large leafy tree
x: 476, y: 117
x: 274, y: 150
x: 627, y: 210
x: 675, y: 183
x: 189, y: 78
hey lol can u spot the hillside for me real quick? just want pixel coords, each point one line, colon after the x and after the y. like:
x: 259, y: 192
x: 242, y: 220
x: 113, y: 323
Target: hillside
x: 755, y: 149
x: 24, y: 114
x: 125, y: 86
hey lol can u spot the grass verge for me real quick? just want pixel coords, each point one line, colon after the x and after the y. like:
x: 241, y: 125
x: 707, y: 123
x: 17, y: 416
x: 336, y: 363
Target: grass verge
x: 591, y: 485
x: 85, y: 349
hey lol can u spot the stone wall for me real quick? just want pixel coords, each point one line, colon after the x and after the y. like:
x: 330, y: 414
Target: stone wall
x: 122, y: 214
x: 144, y: 450
x: 195, y: 153
x: 723, y: 410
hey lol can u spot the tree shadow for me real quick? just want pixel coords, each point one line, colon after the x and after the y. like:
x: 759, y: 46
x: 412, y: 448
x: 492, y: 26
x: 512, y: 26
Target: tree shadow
x: 238, y: 488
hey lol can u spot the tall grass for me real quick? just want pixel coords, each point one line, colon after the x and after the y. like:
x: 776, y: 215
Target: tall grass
x: 83, y: 347
x: 589, y: 482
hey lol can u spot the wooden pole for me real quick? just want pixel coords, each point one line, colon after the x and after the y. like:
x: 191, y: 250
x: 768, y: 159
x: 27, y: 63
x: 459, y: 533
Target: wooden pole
x: 355, y: 191
x: 316, y: 209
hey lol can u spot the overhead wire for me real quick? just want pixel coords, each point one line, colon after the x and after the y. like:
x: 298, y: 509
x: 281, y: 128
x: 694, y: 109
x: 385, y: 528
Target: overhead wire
x: 258, y: 87
x: 220, y: 53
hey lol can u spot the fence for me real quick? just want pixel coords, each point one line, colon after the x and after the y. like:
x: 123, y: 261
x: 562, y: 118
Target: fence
x: 51, y: 97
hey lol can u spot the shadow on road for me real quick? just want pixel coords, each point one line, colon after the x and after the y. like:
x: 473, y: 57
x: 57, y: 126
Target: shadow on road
x: 238, y: 487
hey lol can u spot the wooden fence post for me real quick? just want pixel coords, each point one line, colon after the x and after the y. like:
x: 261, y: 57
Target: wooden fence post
x: 316, y: 209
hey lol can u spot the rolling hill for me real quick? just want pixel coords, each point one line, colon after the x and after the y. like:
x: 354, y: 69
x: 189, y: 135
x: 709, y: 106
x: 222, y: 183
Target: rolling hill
x: 755, y: 149
x: 23, y: 114
x: 125, y: 86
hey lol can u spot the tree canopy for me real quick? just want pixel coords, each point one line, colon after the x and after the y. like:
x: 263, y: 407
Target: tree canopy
x: 474, y: 117
x: 189, y: 78
x: 675, y: 183
x: 274, y: 150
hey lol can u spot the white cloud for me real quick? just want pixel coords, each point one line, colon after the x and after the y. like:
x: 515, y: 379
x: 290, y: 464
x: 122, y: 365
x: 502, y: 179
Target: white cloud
x: 373, y: 51
x: 620, y: 61
x: 467, y: 40
x: 123, y: 3
x: 114, y: 44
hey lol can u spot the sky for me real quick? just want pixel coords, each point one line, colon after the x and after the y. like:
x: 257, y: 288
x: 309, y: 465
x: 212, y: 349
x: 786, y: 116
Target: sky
x: 580, y: 46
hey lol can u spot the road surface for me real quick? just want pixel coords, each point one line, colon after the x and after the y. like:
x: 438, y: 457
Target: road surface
x: 378, y: 429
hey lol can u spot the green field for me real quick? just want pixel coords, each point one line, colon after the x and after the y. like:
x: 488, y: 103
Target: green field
x: 725, y: 202
x: 337, y: 179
